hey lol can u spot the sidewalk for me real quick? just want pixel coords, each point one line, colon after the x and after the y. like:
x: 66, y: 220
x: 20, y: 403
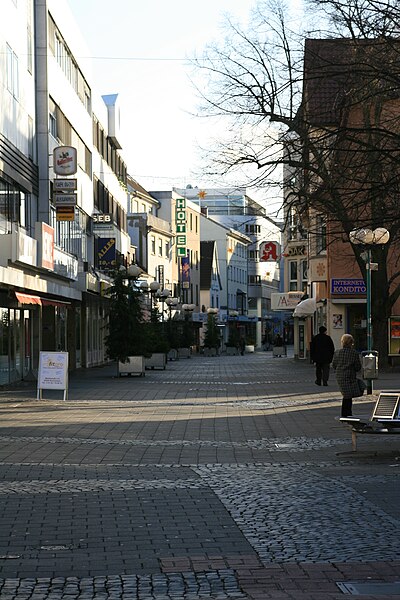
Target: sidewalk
x: 218, y: 478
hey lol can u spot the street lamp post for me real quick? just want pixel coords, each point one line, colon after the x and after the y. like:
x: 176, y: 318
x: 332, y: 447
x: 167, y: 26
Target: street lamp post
x: 368, y: 238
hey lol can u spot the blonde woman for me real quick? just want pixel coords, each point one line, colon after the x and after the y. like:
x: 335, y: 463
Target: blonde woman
x: 346, y: 363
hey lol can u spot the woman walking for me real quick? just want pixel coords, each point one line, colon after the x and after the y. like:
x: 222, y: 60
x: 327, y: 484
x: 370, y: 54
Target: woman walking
x: 346, y: 363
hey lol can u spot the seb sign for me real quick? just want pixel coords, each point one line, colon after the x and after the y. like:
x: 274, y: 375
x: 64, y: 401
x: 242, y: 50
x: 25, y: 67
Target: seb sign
x: 180, y: 224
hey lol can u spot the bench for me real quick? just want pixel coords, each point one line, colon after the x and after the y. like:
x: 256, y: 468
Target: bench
x: 385, y: 419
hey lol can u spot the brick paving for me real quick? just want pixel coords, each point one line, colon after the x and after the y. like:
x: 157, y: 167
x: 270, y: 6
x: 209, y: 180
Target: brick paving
x: 219, y: 478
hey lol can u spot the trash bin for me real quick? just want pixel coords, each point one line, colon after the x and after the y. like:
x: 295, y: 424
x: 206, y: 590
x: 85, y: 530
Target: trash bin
x: 369, y: 362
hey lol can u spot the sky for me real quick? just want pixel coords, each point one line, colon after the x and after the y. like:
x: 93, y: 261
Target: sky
x: 140, y: 50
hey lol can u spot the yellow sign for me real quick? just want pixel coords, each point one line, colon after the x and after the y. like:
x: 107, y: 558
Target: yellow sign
x: 65, y: 213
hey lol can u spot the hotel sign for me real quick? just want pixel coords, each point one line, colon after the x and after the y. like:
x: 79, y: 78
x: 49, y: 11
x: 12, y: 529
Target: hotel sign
x: 348, y: 286
x: 180, y: 225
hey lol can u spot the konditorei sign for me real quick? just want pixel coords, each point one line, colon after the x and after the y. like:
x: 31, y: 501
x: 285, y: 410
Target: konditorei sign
x: 65, y: 160
x: 348, y: 287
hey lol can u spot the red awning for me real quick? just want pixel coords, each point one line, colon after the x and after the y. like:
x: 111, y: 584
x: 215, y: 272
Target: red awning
x: 29, y: 299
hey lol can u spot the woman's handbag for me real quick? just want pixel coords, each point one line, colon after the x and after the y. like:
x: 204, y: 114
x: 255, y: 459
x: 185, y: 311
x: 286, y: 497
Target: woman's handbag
x: 362, y: 386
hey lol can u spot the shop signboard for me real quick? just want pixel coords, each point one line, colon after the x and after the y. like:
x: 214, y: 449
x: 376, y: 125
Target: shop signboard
x: 53, y: 372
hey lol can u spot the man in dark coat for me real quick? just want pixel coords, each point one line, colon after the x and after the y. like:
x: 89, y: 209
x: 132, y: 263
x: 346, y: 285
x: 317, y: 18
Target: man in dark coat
x: 322, y: 350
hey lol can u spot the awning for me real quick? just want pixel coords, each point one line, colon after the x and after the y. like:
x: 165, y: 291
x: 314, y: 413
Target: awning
x: 29, y: 299
x: 305, y: 308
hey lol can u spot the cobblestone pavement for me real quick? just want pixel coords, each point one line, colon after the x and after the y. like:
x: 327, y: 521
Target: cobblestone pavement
x: 218, y: 478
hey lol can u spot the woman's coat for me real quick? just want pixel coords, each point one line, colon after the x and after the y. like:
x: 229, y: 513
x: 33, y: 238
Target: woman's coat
x: 346, y: 363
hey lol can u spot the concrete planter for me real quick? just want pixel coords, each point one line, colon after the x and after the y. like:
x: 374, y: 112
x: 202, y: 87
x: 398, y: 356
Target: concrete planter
x: 278, y: 351
x: 231, y: 351
x: 133, y: 366
x: 210, y: 352
x: 249, y: 348
x: 157, y: 360
x: 184, y: 352
x: 173, y: 354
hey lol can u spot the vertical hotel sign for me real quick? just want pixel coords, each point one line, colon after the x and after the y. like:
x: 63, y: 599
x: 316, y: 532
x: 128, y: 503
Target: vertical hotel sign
x: 180, y: 223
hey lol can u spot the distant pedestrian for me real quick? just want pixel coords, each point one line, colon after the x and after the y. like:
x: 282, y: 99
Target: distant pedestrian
x: 242, y: 345
x: 278, y: 341
x: 322, y: 349
x: 346, y: 363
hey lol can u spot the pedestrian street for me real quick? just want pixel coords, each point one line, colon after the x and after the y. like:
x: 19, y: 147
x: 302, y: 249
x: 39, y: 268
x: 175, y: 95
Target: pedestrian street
x: 218, y: 478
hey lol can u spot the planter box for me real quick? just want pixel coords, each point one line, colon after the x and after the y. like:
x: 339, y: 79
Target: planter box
x: 173, y: 354
x: 133, y: 366
x: 232, y: 351
x: 249, y: 348
x: 157, y: 360
x: 210, y: 352
x: 184, y: 352
x: 278, y: 351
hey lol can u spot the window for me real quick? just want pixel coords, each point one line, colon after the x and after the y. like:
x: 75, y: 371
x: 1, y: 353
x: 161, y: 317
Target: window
x: 30, y: 137
x: 253, y: 229
x: 153, y: 244
x: 160, y: 247
x: 167, y: 249
x: 12, y: 73
x: 292, y: 265
x: 321, y: 234
x: 144, y: 208
x: 304, y: 275
x: 253, y: 255
x: 254, y: 279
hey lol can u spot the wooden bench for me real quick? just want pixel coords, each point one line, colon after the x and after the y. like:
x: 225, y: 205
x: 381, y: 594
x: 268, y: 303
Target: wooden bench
x: 385, y: 419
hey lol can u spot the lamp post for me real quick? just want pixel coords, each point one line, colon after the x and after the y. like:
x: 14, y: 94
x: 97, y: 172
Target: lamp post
x: 369, y: 238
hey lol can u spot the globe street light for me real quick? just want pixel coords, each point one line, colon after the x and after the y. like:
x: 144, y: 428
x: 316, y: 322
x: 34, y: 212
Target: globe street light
x: 368, y: 238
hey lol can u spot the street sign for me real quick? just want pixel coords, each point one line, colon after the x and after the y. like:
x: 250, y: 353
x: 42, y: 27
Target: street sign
x: 64, y: 199
x: 65, y: 213
x: 67, y: 185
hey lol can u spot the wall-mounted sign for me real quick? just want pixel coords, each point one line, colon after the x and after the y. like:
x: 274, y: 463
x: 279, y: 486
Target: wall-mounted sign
x: 269, y: 251
x: 45, y: 237
x: 180, y: 225
x: 106, y: 253
x: 64, y: 199
x: 65, y: 213
x: 296, y: 251
x: 285, y: 301
x: 107, y: 218
x: 65, y: 160
x: 185, y: 272
x: 64, y: 185
x: 348, y: 286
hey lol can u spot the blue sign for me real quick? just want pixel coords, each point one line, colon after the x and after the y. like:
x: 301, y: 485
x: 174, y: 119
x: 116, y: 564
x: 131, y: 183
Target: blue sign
x: 106, y: 253
x: 348, y: 286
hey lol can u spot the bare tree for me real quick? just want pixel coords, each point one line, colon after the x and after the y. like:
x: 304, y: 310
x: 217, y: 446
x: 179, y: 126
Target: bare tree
x: 328, y: 112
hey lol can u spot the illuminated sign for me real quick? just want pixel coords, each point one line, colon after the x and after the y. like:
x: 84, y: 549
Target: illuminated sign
x: 65, y: 160
x: 180, y: 226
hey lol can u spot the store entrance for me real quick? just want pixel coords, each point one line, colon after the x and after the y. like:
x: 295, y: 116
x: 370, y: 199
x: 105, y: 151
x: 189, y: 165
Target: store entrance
x: 357, y: 325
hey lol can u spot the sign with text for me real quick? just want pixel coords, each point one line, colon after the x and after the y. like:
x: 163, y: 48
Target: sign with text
x: 106, y: 253
x: 180, y: 226
x: 65, y: 160
x: 65, y: 213
x: 65, y: 185
x: 53, y: 372
x: 348, y: 286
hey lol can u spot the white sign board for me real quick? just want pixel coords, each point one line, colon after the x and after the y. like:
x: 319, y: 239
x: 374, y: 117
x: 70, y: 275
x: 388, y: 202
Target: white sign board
x: 65, y: 160
x: 53, y: 372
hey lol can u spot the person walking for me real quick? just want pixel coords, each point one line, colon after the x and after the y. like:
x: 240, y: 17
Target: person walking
x: 346, y: 363
x: 322, y: 349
